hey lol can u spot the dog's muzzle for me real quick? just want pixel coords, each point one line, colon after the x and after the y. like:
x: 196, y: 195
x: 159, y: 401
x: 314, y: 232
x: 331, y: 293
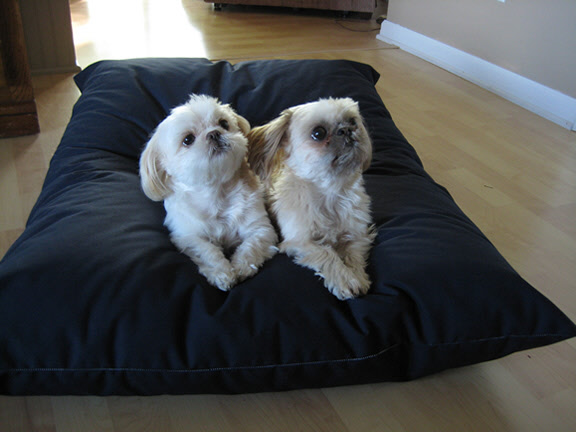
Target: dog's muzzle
x: 217, y: 143
x: 344, y: 149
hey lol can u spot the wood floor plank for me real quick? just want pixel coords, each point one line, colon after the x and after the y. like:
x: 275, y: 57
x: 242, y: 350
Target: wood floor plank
x: 11, y: 215
x: 82, y: 414
x: 41, y: 414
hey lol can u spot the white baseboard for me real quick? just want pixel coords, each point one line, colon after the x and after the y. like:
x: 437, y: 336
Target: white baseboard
x: 544, y: 101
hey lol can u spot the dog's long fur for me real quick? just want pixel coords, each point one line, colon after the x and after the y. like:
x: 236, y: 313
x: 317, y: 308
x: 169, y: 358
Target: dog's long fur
x: 315, y: 190
x: 196, y: 163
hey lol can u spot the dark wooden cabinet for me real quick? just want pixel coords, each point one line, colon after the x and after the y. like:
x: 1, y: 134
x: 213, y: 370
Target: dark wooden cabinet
x: 365, y: 6
x: 18, y: 114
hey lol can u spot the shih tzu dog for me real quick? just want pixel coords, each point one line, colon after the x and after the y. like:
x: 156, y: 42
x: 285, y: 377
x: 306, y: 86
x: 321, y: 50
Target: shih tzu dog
x: 311, y: 160
x: 196, y: 163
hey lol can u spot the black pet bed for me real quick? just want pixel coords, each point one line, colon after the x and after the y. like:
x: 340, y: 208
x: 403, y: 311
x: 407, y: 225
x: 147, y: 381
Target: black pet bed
x: 95, y: 299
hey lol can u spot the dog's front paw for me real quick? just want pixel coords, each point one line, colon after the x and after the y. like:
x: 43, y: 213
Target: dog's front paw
x: 223, y: 278
x: 248, y: 263
x: 364, y: 282
x: 347, y: 284
x: 245, y: 270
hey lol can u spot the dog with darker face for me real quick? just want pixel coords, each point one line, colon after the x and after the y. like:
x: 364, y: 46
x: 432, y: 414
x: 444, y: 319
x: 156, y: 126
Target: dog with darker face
x: 311, y: 159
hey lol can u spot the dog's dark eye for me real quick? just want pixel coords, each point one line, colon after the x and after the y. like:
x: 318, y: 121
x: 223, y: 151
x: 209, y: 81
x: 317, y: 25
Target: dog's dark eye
x: 188, y: 140
x: 319, y: 133
x: 224, y: 124
x: 352, y: 121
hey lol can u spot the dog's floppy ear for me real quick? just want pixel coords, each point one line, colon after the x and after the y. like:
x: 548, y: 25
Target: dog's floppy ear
x: 368, y: 149
x: 265, y: 144
x: 153, y: 177
x: 243, y: 124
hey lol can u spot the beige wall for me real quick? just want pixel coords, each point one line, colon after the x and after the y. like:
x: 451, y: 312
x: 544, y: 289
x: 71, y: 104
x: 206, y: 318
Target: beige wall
x: 533, y: 38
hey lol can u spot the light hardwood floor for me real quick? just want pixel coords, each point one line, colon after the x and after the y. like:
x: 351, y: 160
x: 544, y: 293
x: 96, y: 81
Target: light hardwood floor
x: 512, y: 172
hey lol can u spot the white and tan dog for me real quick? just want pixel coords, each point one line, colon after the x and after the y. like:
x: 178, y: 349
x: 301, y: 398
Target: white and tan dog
x: 311, y: 160
x: 196, y: 162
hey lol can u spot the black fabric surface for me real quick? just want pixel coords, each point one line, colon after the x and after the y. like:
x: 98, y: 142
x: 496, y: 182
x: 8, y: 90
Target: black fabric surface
x: 95, y: 299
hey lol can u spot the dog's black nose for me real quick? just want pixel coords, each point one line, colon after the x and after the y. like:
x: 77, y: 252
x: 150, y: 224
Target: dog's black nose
x: 214, y: 136
x: 345, y: 131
